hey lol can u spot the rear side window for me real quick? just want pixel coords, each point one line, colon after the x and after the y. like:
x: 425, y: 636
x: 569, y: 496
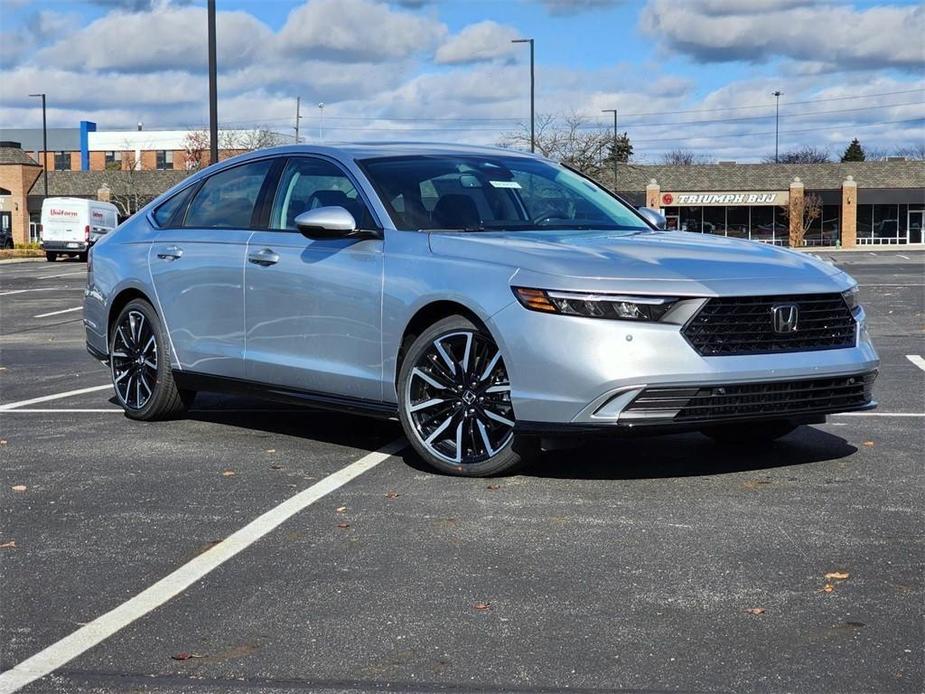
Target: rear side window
x: 227, y: 199
x: 174, y: 205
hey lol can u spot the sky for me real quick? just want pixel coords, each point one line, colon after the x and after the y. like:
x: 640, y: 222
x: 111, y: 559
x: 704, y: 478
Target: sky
x: 683, y: 74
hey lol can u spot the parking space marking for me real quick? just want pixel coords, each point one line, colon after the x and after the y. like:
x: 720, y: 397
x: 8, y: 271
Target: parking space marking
x: 917, y: 360
x: 879, y: 414
x: 64, y: 274
x: 57, y: 313
x: 26, y: 410
x: 41, y: 289
x: 54, y: 656
x: 56, y: 396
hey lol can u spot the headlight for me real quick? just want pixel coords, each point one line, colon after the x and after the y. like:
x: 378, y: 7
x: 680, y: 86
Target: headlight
x: 851, y: 298
x: 612, y: 306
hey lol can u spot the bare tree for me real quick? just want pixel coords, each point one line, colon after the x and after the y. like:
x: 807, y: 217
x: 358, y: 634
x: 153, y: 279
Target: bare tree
x: 914, y: 152
x: 124, y: 183
x: 195, y: 146
x: 804, y: 155
x: 812, y: 210
x: 684, y: 157
x: 230, y: 142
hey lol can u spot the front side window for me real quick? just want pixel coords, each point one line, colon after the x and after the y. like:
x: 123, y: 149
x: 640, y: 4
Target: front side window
x: 309, y: 183
x: 478, y: 193
x: 227, y: 199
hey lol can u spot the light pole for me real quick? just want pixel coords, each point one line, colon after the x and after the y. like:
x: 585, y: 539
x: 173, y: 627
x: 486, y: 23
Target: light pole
x: 298, y: 117
x: 321, y: 123
x: 213, y: 87
x: 615, y: 139
x: 44, y: 145
x: 776, y: 95
x: 532, y: 93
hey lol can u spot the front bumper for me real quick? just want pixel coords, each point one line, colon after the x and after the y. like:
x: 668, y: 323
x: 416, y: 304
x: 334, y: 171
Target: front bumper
x: 583, y: 373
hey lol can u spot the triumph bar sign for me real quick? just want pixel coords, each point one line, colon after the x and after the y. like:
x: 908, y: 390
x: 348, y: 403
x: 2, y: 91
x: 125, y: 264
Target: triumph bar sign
x: 772, y: 197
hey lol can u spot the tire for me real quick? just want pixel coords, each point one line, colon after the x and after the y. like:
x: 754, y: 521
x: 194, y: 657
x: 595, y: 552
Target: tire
x: 82, y: 257
x: 743, y: 434
x: 139, y: 359
x: 470, y: 433
x: 51, y: 257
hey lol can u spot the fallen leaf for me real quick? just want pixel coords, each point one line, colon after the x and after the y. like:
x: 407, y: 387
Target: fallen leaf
x: 827, y: 588
x: 755, y: 610
x: 271, y: 450
x: 276, y: 467
x: 2, y: 442
x: 482, y: 606
x: 186, y: 656
x: 9, y: 545
x: 869, y: 444
x: 18, y: 487
x: 391, y: 495
x: 228, y: 473
x: 493, y: 487
x: 343, y: 525
x: 837, y: 575
x: 341, y: 509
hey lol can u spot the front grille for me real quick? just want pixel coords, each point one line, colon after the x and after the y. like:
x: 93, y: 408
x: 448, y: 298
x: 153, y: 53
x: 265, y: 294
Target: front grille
x: 744, y: 325
x: 750, y: 400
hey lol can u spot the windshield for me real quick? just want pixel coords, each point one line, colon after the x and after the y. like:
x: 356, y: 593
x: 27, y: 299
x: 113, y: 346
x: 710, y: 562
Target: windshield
x: 482, y: 193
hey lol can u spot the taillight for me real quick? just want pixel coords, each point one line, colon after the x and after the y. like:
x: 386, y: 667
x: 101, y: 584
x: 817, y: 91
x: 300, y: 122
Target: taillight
x: 87, y: 233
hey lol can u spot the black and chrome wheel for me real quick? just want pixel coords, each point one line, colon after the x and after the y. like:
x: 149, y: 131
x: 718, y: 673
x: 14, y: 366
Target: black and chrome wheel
x: 748, y: 434
x: 140, y: 365
x: 455, y: 401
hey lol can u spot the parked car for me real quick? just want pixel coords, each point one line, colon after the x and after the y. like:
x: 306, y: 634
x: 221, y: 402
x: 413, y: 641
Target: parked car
x: 490, y: 300
x: 70, y: 226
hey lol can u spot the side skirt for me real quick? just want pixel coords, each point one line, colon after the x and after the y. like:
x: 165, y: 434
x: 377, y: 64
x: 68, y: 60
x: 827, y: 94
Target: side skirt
x: 324, y: 401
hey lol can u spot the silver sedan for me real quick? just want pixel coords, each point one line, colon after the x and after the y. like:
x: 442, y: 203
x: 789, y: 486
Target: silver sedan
x: 490, y: 300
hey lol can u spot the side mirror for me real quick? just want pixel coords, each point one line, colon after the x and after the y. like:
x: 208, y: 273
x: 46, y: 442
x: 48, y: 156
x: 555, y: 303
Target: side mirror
x: 327, y: 223
x: 656, y: 219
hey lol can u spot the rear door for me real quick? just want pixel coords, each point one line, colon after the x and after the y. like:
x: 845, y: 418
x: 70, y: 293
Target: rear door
x: 64, y: 223
x: 197, y: 266
x: 314, y: 306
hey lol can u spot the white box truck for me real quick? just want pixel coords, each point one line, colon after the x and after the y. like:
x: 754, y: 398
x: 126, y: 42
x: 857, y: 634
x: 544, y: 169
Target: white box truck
x: 71, y: 225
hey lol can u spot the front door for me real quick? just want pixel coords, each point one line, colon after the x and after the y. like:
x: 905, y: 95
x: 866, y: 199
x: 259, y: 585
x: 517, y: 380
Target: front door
x: 916, y: 222
x: 6, y: 229
x: 198, y: 272
x: 313, y: 307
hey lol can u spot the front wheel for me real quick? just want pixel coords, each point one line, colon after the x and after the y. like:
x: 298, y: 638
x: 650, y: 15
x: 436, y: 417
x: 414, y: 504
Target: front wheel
x: 140, y: 362
x: 743, y: 434
x: 455, y: 401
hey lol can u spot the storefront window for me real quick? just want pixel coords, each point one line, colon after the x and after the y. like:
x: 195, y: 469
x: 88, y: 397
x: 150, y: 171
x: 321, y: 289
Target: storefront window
x: 865, y: 221
x: 737, y: 222
x: 886, y: 221
x: 714, y: 220
x: 830, y: 225
x: 671, y: 218
x: 763, y: 224
x: 691, y: 218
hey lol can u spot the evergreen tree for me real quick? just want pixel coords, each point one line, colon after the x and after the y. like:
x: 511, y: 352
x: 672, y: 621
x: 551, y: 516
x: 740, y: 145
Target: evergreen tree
x: 622, y: 152
x: 854, y: 152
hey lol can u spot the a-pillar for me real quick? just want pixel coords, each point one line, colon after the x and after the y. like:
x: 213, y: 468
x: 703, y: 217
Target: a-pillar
x: 653, y: 195
x: 849, y: 213
x: 796, y: 212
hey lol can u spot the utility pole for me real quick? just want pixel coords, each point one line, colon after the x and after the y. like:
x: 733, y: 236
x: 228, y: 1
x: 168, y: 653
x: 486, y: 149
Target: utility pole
x: 615, y: 140
x: 532, y: 93
x: 213, y: 88
x: 776, y: 94
x: 298, y: 117
x: 44, y: 145
x: 321, y: 124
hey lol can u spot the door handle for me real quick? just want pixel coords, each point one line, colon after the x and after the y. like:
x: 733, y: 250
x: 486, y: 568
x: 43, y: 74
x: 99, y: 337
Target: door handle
x: 264, y: 257
x: 170, y: 253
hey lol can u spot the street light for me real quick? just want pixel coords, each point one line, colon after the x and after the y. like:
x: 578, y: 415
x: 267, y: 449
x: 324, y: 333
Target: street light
x: 44, y: 144
x: 213, y: 87
x: 615, y: 137
x: 321, y: 124
x: 298, y: 116
x: 776, y: 94
x: 532, y: 94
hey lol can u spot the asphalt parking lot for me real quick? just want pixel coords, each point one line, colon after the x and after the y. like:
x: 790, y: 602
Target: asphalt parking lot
x: 650, y: 565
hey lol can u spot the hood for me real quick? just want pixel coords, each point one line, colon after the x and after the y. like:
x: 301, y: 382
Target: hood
x: 681, y: 262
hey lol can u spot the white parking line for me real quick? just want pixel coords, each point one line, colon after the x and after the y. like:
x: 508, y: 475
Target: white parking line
x: 41, y: 289
x: 65, y: 274
x: 56, y: 396
x: 904, y: 257
x: 917, y: 360
x: 47, y: 661
x: 28, y: 410
x: 57, y: 313
x: 879, y: 414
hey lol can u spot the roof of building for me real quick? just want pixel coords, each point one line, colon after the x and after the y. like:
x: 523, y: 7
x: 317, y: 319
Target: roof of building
x: 736, y: 177
x: 59, y: 139
x: 14, y: 155
x: 83, y: 184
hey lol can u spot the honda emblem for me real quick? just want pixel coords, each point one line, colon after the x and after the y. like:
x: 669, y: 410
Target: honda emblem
x: 785, y: 318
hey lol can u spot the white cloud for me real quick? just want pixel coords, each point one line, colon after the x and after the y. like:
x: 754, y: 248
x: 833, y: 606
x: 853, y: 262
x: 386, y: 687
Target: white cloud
x: 724, y: 30
x: 486, y: 40
x: 357, y: 31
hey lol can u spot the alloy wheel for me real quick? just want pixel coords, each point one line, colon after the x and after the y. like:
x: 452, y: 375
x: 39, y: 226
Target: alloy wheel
x: 134, y: 360
x: 459, y: 398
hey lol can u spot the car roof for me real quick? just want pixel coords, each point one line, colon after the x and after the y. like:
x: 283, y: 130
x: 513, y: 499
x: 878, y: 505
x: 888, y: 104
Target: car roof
x: 369, y: 150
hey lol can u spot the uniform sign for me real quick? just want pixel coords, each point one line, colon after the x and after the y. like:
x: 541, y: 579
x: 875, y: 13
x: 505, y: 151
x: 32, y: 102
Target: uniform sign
x: 720, y: 199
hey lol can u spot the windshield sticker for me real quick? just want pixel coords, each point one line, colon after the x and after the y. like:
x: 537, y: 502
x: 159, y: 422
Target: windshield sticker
x: 505, y: 184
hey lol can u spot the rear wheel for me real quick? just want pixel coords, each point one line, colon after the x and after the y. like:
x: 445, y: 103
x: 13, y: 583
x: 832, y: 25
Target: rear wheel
x: 140, y: 363
x: 741, y: 434
x: 51, y: 257
x: 455, y: 401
